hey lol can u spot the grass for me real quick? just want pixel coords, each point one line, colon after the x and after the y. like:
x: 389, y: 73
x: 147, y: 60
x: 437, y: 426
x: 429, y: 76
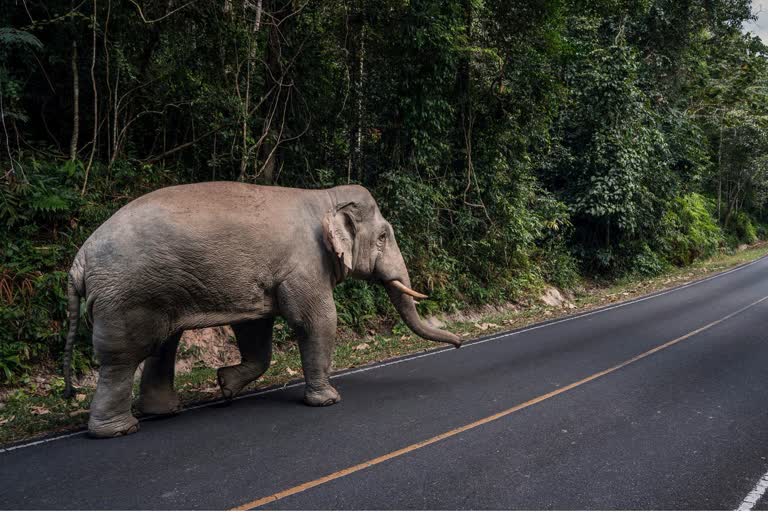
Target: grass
x: 37, y: 407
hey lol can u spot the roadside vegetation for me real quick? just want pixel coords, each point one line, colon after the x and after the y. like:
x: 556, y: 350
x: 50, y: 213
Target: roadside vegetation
x: 37, y: 407
x: 512, y: 145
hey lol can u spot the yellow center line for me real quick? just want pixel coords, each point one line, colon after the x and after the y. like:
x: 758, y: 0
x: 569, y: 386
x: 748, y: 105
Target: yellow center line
x: 432, y: 440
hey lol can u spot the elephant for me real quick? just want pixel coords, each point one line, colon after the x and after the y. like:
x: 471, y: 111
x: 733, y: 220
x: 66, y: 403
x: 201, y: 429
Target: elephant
x: 217, y: 253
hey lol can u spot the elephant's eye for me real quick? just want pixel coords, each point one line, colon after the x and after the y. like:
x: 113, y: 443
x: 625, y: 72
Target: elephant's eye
x: 382, y: 237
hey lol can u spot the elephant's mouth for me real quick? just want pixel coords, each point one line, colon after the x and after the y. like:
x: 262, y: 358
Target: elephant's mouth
x: 402, y: 298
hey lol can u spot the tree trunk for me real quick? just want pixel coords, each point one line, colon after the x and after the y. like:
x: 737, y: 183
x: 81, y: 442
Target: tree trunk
x: 75, y: 105
x: 246, y: 100
x: 357, y: 65
x: 720, y: 172
x: 95, y: 107
x: 465, y: 98
x: 273, y: 75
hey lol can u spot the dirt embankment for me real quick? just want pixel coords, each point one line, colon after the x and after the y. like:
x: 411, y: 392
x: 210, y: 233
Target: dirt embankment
x: 212, y: 347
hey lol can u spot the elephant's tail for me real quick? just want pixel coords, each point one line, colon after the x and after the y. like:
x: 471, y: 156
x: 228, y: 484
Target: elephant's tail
x: 75, y: 289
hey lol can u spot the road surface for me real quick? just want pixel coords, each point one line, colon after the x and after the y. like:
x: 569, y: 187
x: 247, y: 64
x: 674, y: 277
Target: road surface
x: 658, y: 403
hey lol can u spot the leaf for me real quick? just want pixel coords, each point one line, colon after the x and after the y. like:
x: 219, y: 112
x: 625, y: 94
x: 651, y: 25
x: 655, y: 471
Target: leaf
x: 362, y: 346
x: 7, y: 420
x: 9, y: 36
x: 39, y: 410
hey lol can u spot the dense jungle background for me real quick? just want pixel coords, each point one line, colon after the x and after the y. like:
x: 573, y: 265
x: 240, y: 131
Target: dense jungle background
x: 510, y: 143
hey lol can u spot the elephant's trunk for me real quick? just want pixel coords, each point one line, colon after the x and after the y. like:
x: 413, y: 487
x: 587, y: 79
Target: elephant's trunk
x: 401, y: 297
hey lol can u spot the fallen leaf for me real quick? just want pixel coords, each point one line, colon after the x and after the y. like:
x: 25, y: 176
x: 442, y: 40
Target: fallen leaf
x: 79, y: 411
x: 80, y: 397
x: 362, y: 346
x: 485, y: 326
x: 7, y: 420
x: 290, y: 372
x: 39, y: 410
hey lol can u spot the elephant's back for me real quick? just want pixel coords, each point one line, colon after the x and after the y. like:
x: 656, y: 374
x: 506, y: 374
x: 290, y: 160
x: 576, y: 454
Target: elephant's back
x: 219, y: 200
x: 214, y: 212
x: 205, y: 236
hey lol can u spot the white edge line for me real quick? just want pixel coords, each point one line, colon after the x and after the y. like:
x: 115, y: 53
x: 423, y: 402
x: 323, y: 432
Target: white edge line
x: 41, y: 441
x: 754, y: 496
x: 441, y: 351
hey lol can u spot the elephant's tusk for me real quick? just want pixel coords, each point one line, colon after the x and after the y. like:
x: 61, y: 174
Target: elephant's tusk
x: 400, y: 286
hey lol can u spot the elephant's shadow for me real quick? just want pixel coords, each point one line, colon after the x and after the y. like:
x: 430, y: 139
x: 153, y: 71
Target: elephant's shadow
x: 363, y: 388
x: 355, y: 390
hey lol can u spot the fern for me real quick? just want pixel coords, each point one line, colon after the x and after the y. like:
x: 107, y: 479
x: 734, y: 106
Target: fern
x: 47, y: 201
x: 11, y: 36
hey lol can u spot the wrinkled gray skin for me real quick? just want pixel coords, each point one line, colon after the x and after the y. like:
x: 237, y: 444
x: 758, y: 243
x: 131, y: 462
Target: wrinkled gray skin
x: 209, y: 254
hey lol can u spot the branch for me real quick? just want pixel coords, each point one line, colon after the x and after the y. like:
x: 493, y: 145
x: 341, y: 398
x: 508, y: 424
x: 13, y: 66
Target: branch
x: 149, y: 22
x: 155, y: 158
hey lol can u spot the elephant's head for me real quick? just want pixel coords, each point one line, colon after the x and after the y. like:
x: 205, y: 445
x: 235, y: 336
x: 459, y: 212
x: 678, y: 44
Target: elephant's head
x: 363, y: 245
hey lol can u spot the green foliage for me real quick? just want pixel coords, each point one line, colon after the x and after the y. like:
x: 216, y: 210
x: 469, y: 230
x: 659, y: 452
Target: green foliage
x: 558, y: 266
x: 647, y: 263
x: 357, y: 304
x: 11, y: 36
x: 691, y: 231
x: 742, y: 228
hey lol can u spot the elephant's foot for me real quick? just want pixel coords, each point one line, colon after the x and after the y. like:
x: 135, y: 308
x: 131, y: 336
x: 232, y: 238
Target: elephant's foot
x: 121, y: 425
x: 159, y: 403
x: 321, y: 397
x: 232, y: 379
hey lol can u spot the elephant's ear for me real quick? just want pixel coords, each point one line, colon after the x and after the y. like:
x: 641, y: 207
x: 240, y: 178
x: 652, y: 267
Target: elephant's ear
x: 339, y: 235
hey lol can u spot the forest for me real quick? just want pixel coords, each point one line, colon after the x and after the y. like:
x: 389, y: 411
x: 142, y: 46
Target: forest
x: 510, y: 143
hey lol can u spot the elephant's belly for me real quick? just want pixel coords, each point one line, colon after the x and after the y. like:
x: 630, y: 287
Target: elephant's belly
x: 211, y: 317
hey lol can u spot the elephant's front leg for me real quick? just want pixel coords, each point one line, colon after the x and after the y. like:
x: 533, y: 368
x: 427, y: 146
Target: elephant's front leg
x: 316, y: 347
x: 254, y: 339
x: 311, y: 312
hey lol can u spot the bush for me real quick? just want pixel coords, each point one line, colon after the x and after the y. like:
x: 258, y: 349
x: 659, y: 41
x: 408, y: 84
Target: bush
x: 558, y: 266
x: 690, y: 230
x: 647, y: 263
x: 357, y: 304
x: 742, y: 228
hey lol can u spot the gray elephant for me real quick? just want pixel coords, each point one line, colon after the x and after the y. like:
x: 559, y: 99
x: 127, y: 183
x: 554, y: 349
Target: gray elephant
x: 209, y: 254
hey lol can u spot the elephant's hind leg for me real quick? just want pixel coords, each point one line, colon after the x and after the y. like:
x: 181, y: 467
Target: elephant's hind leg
x: 254, y: 339
x: 156, y: 393
x: 111, y: 405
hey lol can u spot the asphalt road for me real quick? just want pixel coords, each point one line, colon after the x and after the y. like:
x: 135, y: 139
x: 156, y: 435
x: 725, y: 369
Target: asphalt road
x: 579, y: 424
